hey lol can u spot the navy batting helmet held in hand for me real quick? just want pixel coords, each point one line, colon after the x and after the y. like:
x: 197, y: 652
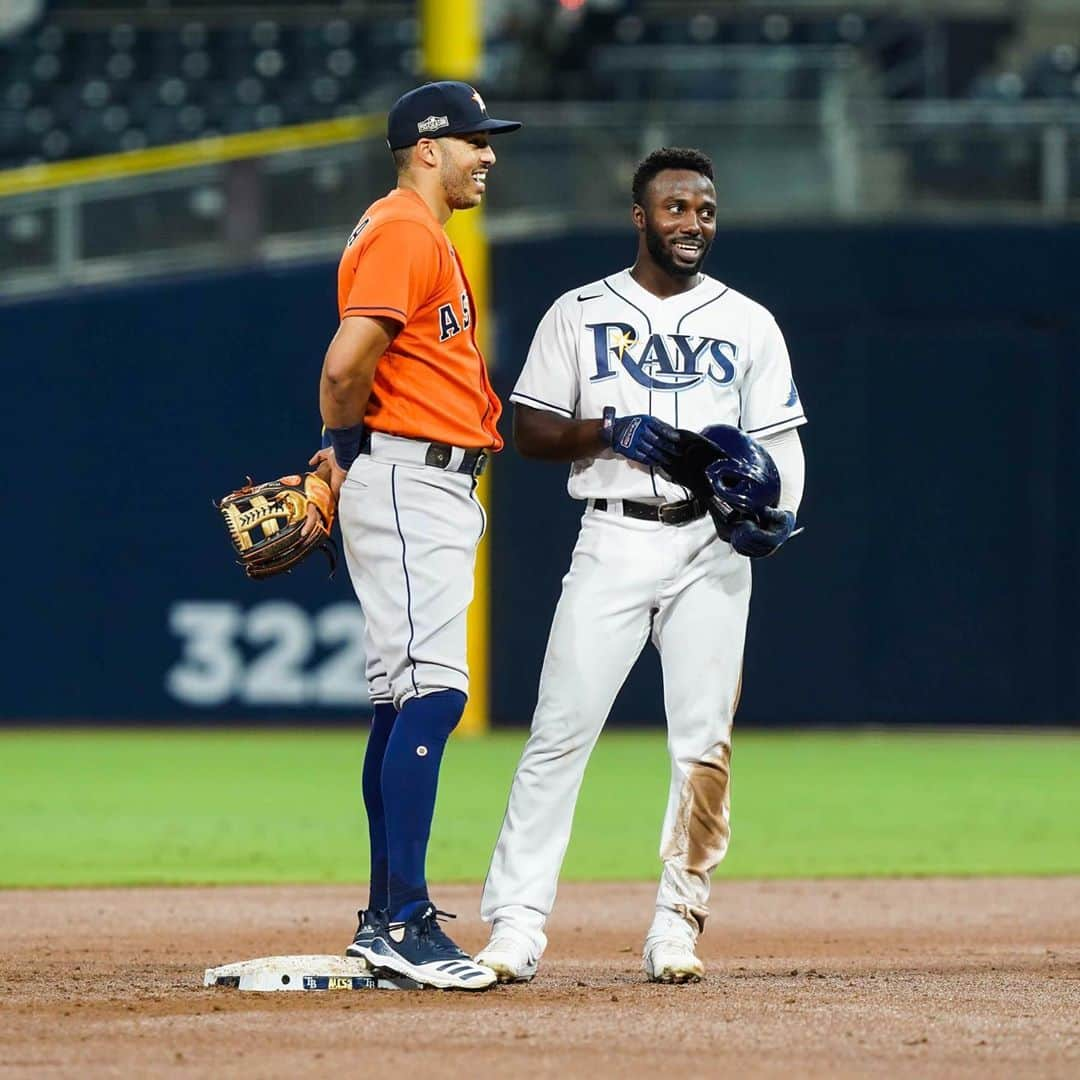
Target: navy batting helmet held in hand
x: 744, y: 478
x: 730, y: 471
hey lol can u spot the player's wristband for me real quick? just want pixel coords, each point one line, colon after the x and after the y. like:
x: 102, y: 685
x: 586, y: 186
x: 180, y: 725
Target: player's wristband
x: 607, y: 425
x: 346, y: 444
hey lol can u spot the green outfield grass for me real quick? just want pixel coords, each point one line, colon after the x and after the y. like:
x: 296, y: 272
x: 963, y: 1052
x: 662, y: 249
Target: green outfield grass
x: 88, y: 808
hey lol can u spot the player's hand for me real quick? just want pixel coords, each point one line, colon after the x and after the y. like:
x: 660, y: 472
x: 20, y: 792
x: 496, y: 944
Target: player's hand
x: 758, y: 541
x: 644, y: 439
x: 326, y: 468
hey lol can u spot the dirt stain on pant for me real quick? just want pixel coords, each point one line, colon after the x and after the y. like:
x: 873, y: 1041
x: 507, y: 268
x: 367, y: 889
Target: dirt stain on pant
x: 699, y: 835
x: 707, y: 800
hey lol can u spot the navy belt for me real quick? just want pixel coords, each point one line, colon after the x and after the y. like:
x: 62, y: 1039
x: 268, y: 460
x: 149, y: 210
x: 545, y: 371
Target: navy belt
x: 673, y: 513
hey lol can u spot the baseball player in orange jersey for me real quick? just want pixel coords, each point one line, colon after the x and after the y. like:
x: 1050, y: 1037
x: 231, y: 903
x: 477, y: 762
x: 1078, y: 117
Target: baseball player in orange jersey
x: 411, y: 417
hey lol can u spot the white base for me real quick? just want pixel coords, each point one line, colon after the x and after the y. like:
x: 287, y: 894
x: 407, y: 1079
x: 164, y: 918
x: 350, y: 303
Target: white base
x: 271, y: 973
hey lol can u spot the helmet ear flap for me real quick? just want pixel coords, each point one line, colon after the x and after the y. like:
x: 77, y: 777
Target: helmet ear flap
x: 727, y: 477
x: 722, y: 474
x: 727, y: 502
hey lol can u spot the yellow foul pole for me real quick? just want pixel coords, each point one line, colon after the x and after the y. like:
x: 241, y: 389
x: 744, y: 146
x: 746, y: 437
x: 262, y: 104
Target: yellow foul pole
x: 451, y: 42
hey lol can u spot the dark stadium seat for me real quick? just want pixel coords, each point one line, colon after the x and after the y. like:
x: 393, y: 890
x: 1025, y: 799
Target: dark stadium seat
x: 85, y: 87
x: 182, y: 69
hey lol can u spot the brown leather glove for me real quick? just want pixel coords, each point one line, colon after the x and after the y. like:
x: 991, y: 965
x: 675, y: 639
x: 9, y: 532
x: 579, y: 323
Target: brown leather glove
x: 264, y: 522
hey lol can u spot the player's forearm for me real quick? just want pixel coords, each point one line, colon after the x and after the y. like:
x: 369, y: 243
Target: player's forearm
x: 786, y: 450
x: 549, y: 437
x: 343, y: 402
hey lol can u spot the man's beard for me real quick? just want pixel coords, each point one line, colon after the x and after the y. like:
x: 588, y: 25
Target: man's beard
x: 664, y: 259
x: 456, y: 185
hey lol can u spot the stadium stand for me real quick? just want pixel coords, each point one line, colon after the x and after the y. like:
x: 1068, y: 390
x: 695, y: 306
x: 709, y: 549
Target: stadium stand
x: 87, y: 78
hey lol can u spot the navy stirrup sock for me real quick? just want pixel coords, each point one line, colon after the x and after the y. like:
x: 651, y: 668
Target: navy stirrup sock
x: 382, y: 722
x: 410, y: 777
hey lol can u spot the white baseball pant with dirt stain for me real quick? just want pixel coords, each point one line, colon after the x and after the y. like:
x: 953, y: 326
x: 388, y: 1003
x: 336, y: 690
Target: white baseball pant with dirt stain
x: 630, y: 582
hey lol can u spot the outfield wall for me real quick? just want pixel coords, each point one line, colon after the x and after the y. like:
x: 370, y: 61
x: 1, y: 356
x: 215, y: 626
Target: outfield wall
x: 936, y: 582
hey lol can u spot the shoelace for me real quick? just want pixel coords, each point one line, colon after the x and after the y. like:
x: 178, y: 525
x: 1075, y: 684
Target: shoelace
x: 429, y: 923
x: 430, y: 928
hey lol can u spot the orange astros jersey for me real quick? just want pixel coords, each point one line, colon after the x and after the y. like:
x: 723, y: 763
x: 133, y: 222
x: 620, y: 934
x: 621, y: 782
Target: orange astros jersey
x: 431, y: 383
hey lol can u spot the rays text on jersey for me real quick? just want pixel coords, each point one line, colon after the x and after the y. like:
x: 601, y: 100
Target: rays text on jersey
x: 661, y: 361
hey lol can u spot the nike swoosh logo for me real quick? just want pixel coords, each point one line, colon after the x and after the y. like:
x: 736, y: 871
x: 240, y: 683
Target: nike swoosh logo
x: 595, y: 296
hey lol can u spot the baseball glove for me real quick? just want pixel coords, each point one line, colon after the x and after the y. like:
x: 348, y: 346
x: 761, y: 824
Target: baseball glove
x: 264, y: 523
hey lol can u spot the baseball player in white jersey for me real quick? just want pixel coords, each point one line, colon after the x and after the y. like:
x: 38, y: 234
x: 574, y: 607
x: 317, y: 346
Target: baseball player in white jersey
x: 669, y: 347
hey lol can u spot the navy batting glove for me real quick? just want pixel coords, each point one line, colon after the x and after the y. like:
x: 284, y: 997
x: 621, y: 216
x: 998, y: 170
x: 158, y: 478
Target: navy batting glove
x: 760, y: 540
x: 644, y: 439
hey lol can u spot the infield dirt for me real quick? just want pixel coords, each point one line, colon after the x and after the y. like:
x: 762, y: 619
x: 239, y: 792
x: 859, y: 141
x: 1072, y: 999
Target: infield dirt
x: 940, y: 977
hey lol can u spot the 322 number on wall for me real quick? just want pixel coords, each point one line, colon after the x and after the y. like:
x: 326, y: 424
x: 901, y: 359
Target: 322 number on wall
x: 275, y: 653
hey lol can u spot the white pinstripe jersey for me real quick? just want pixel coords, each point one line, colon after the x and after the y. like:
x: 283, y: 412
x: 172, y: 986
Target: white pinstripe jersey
x: 707, y: 356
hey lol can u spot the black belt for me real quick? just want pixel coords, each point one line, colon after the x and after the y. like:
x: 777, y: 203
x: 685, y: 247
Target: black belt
x: 473, y: 462
x: 674, y: 513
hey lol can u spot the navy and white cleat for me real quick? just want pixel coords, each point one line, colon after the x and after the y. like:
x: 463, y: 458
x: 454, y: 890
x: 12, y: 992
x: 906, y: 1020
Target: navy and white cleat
x: 371, y: 923
x: 420, y: 950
